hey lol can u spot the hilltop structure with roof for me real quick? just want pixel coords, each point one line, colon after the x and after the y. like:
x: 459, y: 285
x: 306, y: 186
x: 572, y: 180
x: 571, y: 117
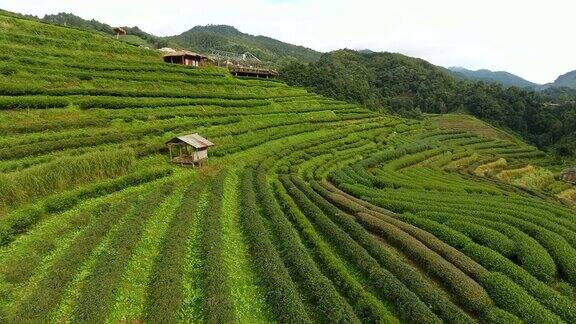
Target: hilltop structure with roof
x: 245, y: 64
x: 187, y: 58
x: 119, y: 31
x: 569, y: 175
x: 192, y: 149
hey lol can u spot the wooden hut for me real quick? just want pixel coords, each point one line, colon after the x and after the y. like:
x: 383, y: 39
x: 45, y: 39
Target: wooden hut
x: 119, y: 32
x: 569, y: 175
x: 187, y: 58
x: 192, y: 149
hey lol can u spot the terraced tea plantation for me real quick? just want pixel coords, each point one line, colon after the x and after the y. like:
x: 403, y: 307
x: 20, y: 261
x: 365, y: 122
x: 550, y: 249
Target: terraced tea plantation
x: 308, y: 209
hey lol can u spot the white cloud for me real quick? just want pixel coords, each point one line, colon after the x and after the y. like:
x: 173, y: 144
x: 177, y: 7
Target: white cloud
x: 530, y: 38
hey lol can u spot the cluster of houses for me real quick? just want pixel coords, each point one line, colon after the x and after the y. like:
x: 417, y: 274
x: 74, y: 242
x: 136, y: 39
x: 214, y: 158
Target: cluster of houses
x: 192, y: 149
x: 237, y: 67
x: 238, y: 64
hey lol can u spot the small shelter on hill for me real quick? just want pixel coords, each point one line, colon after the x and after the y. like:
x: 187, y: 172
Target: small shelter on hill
x: 245, y: 64
x: 192, y: 149
x: 569, y: 175
x: 187, y: 58
x: 119, y: 32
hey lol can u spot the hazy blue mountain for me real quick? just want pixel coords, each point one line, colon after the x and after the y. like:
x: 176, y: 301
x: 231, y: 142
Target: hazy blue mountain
x: 504, y: 78
x: 566, y: 80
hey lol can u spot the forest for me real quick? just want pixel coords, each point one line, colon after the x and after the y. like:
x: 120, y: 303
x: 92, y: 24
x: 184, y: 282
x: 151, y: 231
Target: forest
x: 409, y: 87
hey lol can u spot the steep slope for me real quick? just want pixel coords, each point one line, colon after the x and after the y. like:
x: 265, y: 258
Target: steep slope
x: 308, y: 210
x: 501, y: 77
x: 134, y: 35
x: 228, y: 38
x: 202, y: 39
x: 68, y: 19
x: 566, y: 80
x: 404, y: 84
x: 409, y: 86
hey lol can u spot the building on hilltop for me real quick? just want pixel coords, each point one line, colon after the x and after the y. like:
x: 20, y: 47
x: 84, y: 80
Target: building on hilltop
x: 192, y: 149
x: 167, y: 50
x: 569, y: 175
x: 187, y: 58
x: 119, y: 32
x: 245, y: 64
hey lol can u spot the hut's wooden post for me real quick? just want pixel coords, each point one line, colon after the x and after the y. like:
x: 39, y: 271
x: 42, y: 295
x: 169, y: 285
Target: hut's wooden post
x: 170, y: 150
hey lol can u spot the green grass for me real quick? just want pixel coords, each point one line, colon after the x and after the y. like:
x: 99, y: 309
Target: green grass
x: 307, y: 210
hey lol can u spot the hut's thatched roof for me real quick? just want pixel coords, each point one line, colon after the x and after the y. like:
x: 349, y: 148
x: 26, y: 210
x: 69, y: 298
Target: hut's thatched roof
x: 569, y: 170
x: 185, y: 53
x: 194, y: 140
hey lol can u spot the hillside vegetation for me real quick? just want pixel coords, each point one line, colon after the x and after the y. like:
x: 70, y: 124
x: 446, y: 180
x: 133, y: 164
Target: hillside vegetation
x: 228, y: 38
x: 506, y: 79
x: 408, y: 86
x: 308, y: 210
x: 501, y: 77
x: 566, y: 80
x: 201, y: 39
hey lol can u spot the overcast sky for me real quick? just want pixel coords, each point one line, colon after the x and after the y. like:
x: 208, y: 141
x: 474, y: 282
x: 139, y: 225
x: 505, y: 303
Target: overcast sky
x: 531, y: 38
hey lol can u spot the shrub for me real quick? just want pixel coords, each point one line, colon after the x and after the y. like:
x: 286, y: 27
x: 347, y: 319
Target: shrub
x: 485, y: 236
x: 281, y: 290
x: 7, y: 70
x: 318, y: 289
x: 37, y: 306
x: 508, y: 296
x: 218, y: 306
x: 68, y: 199
x: 429, y: 294
x: 469, y: 293
x: 164, y: 295
x: 118, y: 103
x: 368, y: 307
x: 498, y: 316
x: 407, y: 304
x: 493, y: 261
x: 32, y: 102
x: 21, y: 220
x: 96, y: 295
x: 62, y: 174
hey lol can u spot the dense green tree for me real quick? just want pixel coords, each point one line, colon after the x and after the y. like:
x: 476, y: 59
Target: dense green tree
x: 408, y: 86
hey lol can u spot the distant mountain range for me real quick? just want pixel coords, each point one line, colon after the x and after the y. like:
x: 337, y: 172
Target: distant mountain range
x: 566, y: 80
x: 507, y: 79
x: 227, y: 38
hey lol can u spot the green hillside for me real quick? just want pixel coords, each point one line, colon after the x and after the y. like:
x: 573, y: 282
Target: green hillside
x: 228, y: 38
x: 501, y: 77
x: 506, y: 79
x: 201, y: 39
x: 309, y: 209
x: 409, y: 86
x: 566, y: 80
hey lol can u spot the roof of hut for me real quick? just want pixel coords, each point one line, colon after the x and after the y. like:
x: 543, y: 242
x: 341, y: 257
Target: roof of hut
x: 569, y: 170
x: 194, y: 140
x: 120, y: 30
x: 167, y: 50
x: 184, y: 53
